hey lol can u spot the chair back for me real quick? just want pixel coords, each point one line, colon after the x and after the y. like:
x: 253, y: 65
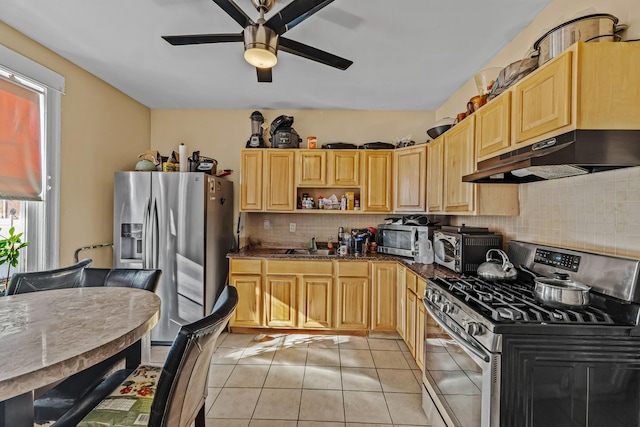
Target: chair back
x: 121, y: 277
x: 66, y: 277
x: 182, y: 386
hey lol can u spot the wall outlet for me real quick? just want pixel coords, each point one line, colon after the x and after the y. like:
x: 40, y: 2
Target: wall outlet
x: 292, y: 227
x: 267, y: 224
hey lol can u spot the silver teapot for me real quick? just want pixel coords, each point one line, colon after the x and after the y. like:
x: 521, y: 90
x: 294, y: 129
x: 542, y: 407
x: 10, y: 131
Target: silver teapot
x: 494, y: 269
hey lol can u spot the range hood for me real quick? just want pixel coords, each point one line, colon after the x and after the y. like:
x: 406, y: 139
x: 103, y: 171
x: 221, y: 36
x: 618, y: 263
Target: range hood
x: 573, y: 153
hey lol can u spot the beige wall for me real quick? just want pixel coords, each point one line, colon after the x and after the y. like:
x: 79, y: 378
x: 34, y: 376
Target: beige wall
x: 103, y: 130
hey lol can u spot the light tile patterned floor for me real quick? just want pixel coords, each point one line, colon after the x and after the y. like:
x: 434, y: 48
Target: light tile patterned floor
x: 302, y: 380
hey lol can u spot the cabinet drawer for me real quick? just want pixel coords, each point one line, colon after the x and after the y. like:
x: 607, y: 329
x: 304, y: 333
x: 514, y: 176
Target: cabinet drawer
x: 352, y: 269
x: 411, y: 281
x: 299, y: 267
x: 245, y: 266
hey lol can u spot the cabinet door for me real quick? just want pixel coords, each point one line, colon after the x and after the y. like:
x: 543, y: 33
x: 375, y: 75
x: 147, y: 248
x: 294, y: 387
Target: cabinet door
x: 352, y: 303
x: 411, y: 322
x: 401, y: 290
x: 411, y: 179
x: 314, y: 304
x: 542, y: 101
x: 434, y: 175
x: 278, y: 182
x: 383, y: 308
x: 459, y: 158
x: 421, y: 324
x: 311, y: 168
x: 377, y: 181
x: 251, y: 188
x: 344, y: 168
x: 249, y: 309
x: 280, y: 301
x: 492, y: 126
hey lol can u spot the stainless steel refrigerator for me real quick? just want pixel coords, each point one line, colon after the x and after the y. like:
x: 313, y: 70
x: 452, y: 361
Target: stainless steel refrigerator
x: 182, y: 224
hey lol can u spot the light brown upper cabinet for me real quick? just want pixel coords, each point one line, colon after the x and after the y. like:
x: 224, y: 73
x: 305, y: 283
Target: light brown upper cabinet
x: 311, y: 168
x: 543, y: 100
x: 344, y: 168
x: 278, y: 181
x: 493, y: 130
x: 251, y: 189
x: 459, y: 160
x: 377, y: 180
x: 452, y: 155
x: 435, y: 186
x: 410, y: 191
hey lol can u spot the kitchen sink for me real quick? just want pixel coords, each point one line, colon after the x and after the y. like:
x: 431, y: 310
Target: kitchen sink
x: 319, y: 252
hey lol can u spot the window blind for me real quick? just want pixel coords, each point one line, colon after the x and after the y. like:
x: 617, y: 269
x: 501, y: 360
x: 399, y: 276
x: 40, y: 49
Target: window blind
x: 20, y: 142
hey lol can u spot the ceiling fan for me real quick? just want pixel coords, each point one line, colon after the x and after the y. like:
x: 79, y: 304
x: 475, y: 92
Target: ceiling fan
x: 262, y: 39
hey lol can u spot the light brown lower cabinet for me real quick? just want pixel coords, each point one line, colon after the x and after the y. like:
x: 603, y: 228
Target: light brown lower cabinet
x: 352, y: 303
x: 383, y: 299
x: 410, y: 339
x: 245, y: 275
x: 280, y: 301
x: 401, y: 299
x: 421, y: 319
x: 314, y: 301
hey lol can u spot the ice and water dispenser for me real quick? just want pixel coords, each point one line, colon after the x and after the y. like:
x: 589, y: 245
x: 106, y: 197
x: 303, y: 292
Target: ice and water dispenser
x: 131, y: 241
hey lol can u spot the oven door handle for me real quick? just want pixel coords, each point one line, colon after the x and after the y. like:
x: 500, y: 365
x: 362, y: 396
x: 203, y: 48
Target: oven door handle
x: 459, y: 338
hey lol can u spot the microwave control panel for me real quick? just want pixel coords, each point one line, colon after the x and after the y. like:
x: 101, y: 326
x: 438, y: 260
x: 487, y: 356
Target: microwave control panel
x: 557, y: 259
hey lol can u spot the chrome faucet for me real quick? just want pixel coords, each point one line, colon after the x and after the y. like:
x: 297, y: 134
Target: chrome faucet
x: 314, y: 247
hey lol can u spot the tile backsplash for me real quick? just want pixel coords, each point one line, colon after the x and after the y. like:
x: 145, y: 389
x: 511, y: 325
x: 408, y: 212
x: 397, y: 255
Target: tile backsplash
x: 597, y: 213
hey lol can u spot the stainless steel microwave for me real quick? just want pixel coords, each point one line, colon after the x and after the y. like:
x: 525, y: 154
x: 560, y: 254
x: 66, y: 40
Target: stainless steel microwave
x: 400, y: 239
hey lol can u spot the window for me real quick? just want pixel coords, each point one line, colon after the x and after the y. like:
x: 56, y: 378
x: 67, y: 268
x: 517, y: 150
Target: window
x: 39, y: 220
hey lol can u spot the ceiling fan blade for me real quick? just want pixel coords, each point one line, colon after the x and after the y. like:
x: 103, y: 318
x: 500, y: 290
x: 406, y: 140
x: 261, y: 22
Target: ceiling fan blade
x: 264, y: 75
x: 235, y: 12
x: 296, y: 12
x: 306, y: 51
x: 204, y: 38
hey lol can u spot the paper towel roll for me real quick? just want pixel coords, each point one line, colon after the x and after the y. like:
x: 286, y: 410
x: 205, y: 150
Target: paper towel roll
x: 184, y: 161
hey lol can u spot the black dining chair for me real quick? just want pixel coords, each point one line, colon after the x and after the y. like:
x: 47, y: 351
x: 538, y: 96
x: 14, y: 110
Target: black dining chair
x: 181, y: 389
x: 59, y: 278
x: 56, y: 401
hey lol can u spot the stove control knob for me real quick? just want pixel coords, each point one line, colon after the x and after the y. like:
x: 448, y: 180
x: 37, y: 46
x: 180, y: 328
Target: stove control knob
x: 475, y: 328
x: 448, y: 308
x: 429, y: 293
x: 436, y: 298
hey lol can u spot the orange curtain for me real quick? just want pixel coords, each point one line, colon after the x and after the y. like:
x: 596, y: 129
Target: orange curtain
x: 20, y: 157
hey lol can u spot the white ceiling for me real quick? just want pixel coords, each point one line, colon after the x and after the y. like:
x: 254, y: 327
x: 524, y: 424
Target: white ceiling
x: 408, y: 54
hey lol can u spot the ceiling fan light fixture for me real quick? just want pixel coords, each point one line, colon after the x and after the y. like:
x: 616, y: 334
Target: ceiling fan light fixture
x: 260, y: 46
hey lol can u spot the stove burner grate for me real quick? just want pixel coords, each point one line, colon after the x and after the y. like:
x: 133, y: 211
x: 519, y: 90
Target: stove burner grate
x: 504, y: 302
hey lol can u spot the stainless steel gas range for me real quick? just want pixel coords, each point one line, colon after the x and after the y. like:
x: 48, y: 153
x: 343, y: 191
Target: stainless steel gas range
x: 494, y: 356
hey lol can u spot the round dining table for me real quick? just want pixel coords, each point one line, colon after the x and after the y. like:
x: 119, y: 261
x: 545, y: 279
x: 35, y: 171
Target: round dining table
x: 50, y: 335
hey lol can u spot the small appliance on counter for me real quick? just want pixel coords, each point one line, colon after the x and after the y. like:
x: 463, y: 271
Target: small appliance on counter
x: 377, y: 146
x: 198, y: 163
x: 256, y: 140
x: 462, y: 249
x: 283, y: 135
x: 401, y: 235
x: 339, y: 146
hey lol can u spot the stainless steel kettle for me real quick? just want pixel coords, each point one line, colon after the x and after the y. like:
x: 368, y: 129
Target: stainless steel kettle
x: 494, y: 269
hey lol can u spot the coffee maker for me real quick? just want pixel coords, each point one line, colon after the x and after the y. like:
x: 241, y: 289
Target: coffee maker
x: 256, y: 140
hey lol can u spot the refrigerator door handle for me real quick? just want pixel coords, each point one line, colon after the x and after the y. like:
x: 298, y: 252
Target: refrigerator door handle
x: 156, y: 237
x: 145, y: 233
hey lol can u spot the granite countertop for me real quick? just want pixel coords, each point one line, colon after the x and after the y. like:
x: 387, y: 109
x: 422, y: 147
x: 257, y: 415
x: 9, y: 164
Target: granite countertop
x: 423, y: 270
x: 50, y: 335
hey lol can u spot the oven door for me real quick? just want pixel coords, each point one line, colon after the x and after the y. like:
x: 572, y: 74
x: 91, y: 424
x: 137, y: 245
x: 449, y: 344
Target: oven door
x: 461, y: 378
x: 444, y: 248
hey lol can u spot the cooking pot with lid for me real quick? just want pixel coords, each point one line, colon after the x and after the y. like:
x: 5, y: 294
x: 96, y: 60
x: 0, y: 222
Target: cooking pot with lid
x: 493, y: 269
x: 559, y: 291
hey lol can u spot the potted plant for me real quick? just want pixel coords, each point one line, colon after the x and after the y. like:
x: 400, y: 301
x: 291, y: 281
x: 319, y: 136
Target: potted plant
x: 10, y: 251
